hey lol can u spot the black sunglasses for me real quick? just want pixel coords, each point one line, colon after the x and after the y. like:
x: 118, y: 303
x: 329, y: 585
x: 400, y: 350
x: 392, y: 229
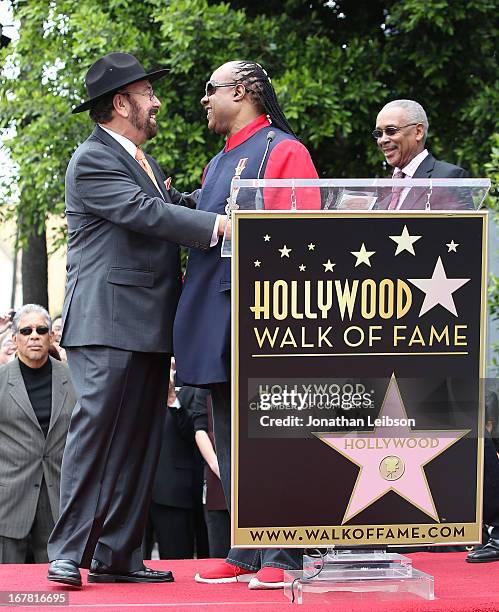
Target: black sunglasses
x: 391, y: 130
x: 211, y: 86
x: 41, y: 330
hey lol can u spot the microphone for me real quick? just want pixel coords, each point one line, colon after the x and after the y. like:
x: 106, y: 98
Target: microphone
x: 259, y: 197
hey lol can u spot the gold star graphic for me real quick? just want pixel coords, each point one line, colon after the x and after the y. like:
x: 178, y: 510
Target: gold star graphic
x: 363, y: 255
x: 328, y: 266
x: 284, y: 251
x: 405, y: 241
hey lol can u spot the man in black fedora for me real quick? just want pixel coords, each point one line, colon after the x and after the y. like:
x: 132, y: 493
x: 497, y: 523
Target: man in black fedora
x: 123, y: 283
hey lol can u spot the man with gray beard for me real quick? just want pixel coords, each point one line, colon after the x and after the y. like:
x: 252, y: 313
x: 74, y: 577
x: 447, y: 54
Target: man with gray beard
x: 122, y: 288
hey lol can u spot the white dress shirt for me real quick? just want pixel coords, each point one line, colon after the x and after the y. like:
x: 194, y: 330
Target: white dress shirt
x: 410, y: 171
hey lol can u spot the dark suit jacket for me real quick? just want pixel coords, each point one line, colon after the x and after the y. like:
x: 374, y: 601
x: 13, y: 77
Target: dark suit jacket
x: 26, y: 455
x: 441, y: 198
x: 179, y: 475
x: 123, y: 264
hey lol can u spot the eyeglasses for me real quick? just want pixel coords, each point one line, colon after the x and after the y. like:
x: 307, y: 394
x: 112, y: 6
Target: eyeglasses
x: 391, y: 130
x: 211, y: 86
x: 149, y: 93
x: 41, y: 330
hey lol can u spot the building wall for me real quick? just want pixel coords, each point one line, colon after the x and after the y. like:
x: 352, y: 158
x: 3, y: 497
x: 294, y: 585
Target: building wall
x: 56, y: 270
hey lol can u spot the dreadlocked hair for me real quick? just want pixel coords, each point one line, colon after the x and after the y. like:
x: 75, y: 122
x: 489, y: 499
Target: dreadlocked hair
x: 261, y: 91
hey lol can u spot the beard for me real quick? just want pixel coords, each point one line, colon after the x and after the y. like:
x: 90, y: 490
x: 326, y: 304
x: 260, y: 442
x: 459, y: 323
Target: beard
x: 142, y: 121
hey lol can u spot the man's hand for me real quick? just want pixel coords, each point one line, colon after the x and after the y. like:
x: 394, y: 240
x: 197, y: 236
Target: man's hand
x: 172, y: 395
x: 221, y: 224
x: 225, y: 227
x: 5, y: 322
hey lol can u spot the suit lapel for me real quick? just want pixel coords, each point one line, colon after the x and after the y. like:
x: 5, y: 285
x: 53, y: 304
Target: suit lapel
x: 138, y: 173
x: 423, y: 171
x: 157, y: 173
x: 18, y: 393
x: 425, y: 168
x: 59, y: 392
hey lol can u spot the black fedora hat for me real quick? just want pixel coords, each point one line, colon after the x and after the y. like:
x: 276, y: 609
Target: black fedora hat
x: 110, y: 73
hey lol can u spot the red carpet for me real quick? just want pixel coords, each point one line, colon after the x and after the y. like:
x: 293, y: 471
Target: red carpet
x: 459, y: 587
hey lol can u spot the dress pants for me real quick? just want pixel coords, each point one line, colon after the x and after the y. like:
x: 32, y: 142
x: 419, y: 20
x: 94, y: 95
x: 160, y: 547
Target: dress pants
x: 174, y: 531
x: 13, y: 550
x: 218, y: 524
x: 247, y: 558
x: 110, y: 457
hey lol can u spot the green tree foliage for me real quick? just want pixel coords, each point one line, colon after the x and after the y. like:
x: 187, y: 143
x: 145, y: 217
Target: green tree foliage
x: 333, y: 63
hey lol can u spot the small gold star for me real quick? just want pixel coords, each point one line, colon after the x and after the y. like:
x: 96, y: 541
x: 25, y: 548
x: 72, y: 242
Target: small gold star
x: 328, y: 266
x: 284, y: 251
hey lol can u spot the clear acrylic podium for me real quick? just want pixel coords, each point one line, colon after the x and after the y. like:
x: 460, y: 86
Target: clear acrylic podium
x: 360, y: 572
x: 341, y: 575
x: 347, y: 195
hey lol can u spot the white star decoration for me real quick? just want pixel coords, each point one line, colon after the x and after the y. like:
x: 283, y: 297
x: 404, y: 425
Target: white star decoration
x: 257, y: 263
x: 284, y: 251
x: 452, y: 246
x: 302, y: 268
x: 363, y: 255
x: 266, y: 237
x: 328, y: 266
x: 311, y: 246
x: 438, y: 289
x: 405, y: 241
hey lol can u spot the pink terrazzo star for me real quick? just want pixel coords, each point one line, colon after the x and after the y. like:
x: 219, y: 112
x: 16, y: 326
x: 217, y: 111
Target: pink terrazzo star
x: 391, y: 458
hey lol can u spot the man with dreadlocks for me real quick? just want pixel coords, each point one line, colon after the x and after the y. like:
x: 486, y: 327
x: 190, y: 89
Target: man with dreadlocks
x: 241, y: 105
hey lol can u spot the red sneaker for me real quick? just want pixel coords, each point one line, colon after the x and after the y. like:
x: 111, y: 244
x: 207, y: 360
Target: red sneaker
x: 268, y: 578
x: 223, y: 573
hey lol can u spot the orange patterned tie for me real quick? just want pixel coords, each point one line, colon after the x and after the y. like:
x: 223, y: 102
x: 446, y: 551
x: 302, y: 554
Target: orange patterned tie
x: 141, y: 158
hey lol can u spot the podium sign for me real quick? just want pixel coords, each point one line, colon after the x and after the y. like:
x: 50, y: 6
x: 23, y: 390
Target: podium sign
x: 358, y: 355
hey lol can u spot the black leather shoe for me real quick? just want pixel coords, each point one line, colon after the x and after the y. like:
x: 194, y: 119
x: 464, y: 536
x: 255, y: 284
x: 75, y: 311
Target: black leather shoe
x: 102, y: 573
x: 486, y: 554
x: 65, y: 571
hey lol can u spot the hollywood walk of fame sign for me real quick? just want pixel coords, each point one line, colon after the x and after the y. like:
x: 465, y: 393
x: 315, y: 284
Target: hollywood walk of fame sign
x: 358, y: 352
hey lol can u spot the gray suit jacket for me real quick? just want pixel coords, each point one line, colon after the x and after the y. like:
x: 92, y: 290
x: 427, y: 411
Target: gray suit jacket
x: 123, y: 263
x: 433, y: 168
x: 441, y: 198
x: 26, y: 456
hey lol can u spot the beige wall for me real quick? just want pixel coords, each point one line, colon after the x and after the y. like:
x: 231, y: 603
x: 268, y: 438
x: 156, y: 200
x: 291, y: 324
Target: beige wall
x: 56, y: 269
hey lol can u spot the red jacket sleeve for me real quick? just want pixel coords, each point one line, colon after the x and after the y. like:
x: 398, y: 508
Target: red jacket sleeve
x: 291, y: 159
